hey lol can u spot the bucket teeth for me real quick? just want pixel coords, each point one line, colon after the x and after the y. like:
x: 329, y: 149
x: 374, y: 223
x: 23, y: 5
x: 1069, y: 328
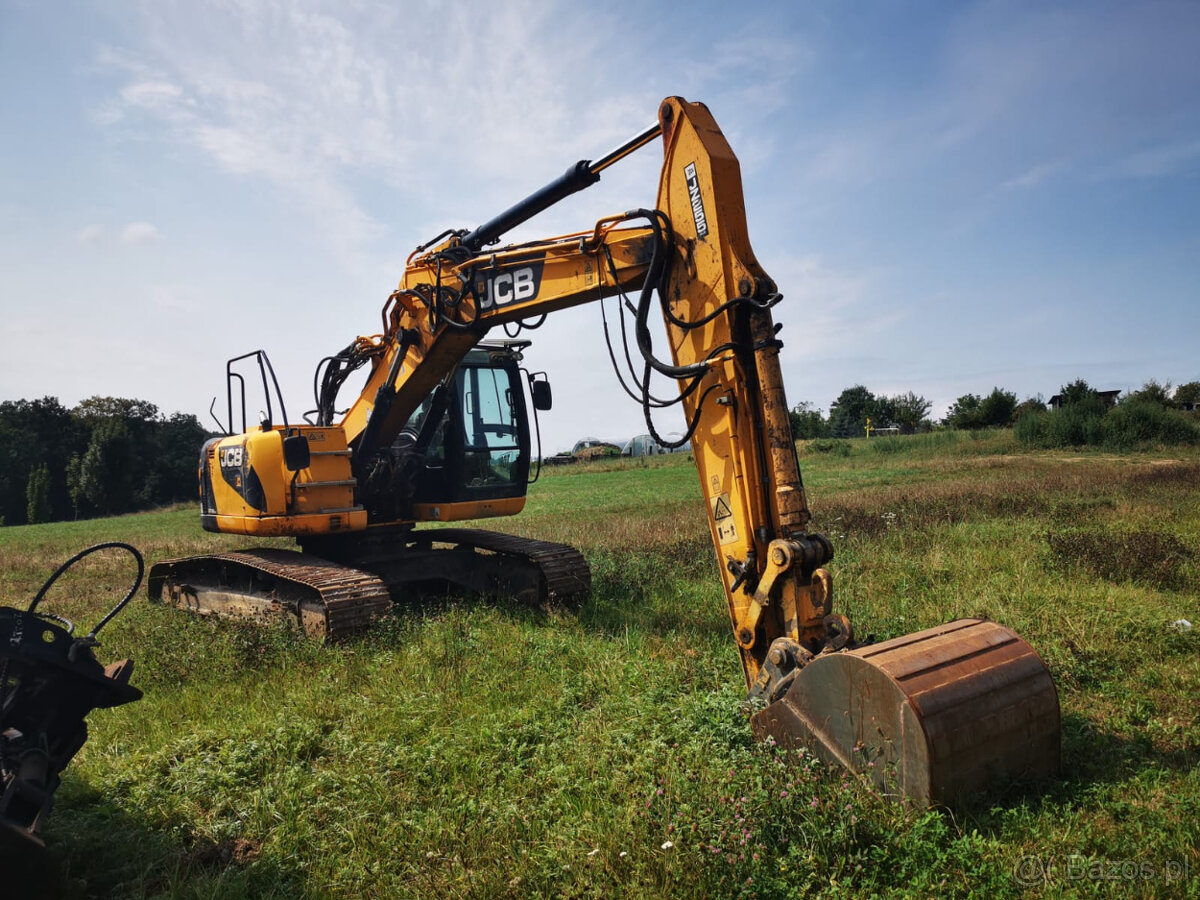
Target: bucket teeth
x: 933, y: 716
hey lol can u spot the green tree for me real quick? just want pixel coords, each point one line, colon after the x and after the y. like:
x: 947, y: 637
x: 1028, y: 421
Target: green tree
x: 908, y: 411
x: 1187, y: 394
x: 106, y: 475
x: 75, y: 482
x: 1029, y: 406
x: 94, y: 410
x: 171, y: 467
x: 1152, y: 392
x: 964, y: 413
x: 848, y: 414
x: 807, y: 421
x: 998, y: 408
x: 37, y: 495
x: 1078, y: 391
x: 35, y: 433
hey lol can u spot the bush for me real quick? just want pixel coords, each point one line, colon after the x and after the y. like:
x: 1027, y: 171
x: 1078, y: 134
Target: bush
x: 1082, y: 424
x: 1077, y: 425
x: 836, y: 447
x: 1147, y: 422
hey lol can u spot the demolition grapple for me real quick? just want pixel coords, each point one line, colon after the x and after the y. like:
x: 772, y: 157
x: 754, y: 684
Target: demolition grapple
x: 49, y: 681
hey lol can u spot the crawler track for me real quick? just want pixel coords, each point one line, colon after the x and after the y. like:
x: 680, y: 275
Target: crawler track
x: 339, y: 585
x: 324, y: 598
x: 542, y: 573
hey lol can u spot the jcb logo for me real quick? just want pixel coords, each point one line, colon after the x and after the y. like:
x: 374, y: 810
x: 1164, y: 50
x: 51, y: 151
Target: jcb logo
x: 513, y: 286
x: 231, y: 457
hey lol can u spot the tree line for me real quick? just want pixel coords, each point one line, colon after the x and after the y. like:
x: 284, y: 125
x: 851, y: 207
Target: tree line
x: 105, y: 456
x: 850, y: 412
x: 1156, y: 412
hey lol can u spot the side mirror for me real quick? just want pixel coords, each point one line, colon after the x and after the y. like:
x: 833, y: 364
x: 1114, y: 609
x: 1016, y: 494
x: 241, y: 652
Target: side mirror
x: 543, y: 399
x: 296, y: 455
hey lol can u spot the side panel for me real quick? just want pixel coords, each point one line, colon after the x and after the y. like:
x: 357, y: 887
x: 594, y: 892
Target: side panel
x: 247, y: 489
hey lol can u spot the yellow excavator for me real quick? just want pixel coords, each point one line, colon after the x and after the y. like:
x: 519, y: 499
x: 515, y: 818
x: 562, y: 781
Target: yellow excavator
x: 441, y: 433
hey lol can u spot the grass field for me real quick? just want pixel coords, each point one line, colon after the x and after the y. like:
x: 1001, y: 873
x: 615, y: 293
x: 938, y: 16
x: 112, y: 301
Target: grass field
x: 468, y: 750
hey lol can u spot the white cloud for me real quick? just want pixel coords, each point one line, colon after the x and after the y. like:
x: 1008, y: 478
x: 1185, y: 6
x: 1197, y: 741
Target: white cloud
x: 91, y: 235
x: 151, y: 94
x: 480, y: 106
x: 1160, y: 161
x: 1031, y: 177
x: 139, y: 233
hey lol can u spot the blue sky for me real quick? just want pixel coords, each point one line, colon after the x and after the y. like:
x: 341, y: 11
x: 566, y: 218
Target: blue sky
x: 951, y: 196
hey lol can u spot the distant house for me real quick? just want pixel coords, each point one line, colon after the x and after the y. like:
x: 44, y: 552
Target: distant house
x: 1108, y: 398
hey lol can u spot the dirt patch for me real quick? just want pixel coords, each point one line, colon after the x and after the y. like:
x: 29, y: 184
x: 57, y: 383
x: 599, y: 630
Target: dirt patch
x: 222, y: 854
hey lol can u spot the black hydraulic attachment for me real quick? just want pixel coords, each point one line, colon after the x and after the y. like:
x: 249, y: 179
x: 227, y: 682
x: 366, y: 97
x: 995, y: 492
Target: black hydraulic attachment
x: 49, y: 681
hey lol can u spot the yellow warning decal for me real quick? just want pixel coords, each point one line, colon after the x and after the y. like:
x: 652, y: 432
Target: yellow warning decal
x: 723, y: 519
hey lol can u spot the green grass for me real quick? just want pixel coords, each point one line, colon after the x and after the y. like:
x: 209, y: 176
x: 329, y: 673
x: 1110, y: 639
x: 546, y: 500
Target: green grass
x: 486, y: 750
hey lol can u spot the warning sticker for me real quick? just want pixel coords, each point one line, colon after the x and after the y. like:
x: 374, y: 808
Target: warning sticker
x: 723, y: 519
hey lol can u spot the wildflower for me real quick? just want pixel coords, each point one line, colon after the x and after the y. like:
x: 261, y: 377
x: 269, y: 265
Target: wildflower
x: 815, y: 803
x: 660, y: 792
x: 783, y: 795
x: 430, y: 855
x: 667, y: 845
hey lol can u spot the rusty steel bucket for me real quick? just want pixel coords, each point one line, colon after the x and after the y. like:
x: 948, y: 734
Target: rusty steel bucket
x: 932, y: 716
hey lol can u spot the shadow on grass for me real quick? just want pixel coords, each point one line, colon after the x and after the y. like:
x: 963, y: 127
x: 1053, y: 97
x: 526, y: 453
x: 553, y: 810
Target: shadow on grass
x: 96, y: 849
x: 650, y: 590
x: 1091, y: 758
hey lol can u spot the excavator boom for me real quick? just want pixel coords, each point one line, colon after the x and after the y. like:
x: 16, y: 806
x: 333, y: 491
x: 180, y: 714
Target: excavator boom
x: 945, y: 711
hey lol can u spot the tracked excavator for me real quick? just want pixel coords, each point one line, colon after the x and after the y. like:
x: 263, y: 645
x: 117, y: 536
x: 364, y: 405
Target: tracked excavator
x: 441, y: 433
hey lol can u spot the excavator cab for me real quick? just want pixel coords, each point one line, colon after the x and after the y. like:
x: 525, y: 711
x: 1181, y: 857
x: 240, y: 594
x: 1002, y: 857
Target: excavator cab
x: 478, y: 450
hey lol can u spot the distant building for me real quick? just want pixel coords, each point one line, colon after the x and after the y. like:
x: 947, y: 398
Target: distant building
x: 1108, y: 398
x: 642, y: 445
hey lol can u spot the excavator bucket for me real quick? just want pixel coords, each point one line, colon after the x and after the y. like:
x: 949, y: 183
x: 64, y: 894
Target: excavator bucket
x: 933, y: 716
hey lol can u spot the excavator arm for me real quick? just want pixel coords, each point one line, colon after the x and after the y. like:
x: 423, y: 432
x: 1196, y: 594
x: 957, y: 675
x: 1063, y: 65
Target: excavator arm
x: 693, y: 257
